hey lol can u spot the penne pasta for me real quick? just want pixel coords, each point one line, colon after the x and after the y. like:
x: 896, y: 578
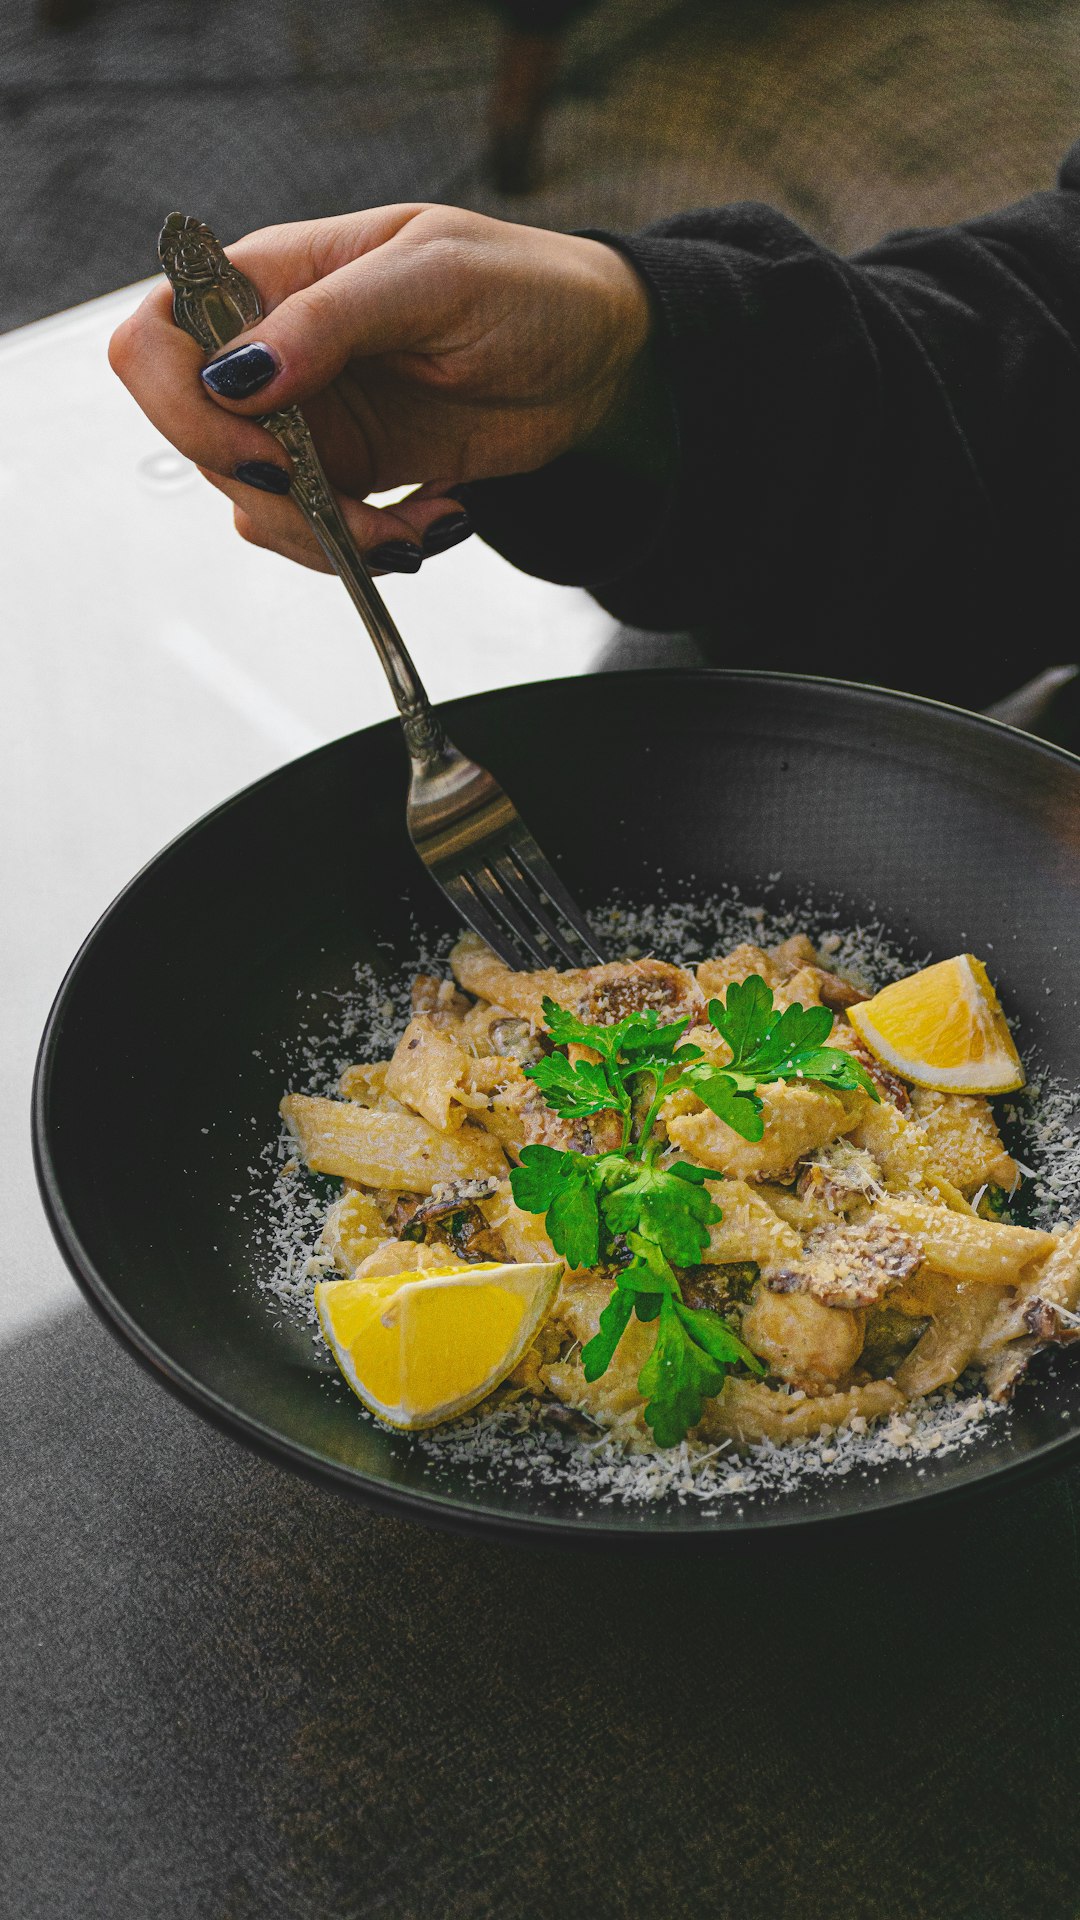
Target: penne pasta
x: 963, y: 1310
x: 964, y: 1246
x: 797, y: 1119
x: 428, y: 1074
x: 748, y: 1412
x: 398, y: 1151
x: 962, y: 1135
x: 804, y: 1343
x: 1053, y: 1284
x: 353, y: 1228
x: 750, y: 1228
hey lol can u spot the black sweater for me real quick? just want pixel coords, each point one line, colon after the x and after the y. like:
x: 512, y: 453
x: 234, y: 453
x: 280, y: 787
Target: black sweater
x: 878, y: 459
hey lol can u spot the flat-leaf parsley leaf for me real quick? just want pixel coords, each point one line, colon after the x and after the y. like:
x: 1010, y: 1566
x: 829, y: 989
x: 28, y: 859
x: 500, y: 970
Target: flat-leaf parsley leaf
x: 677, y: 1379
x: 672, y: 1212
x: 562, y: 1186
x: 575, y: 1091
x: 766, y: 1045
x: 643, y: 1219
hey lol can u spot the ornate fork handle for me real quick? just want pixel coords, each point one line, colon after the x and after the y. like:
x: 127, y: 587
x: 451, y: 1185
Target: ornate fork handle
x: 213, y: 302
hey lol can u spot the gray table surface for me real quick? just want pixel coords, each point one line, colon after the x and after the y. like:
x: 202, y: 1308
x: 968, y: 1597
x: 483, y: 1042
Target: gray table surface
x: 225, y: 1693
x: 229, y: 1694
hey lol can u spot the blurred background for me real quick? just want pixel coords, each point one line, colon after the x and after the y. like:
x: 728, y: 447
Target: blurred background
x: 854, y: 116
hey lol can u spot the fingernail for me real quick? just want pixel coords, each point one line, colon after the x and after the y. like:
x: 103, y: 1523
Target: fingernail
x: 446, y: 533
x: 264, y: 475
x: 241, y: 372
x: 397, y: 556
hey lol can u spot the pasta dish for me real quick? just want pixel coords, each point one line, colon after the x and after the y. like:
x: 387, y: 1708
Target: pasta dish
x: 848, y: 1230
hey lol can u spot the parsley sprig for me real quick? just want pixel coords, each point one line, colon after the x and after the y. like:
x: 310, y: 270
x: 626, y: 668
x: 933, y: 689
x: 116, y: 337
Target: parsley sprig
x: 766, y: 1045
x: 644, y: 1219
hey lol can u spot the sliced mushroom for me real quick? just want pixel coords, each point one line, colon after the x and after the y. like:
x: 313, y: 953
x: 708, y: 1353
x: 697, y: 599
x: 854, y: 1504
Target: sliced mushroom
x: 451, y: 1214
x: 850, y: 1266
x: 1049, y: 1321
x: 837, y: 993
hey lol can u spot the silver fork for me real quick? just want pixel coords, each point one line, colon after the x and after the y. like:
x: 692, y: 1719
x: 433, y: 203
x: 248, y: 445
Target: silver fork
x: 467, y: 831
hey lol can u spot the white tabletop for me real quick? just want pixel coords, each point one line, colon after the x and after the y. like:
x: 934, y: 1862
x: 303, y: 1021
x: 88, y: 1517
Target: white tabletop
x: 155, y: 664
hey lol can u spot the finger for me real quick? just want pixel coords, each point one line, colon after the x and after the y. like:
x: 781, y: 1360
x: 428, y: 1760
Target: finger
x: 437, y: 519
x: 159, y: 364
x: 303, y: 275
x: 298, y: 544
x: 280, y: 259
x: 306, y: 551
x: 391, y: 538
x: 282, y: 517
x: 389, y: 300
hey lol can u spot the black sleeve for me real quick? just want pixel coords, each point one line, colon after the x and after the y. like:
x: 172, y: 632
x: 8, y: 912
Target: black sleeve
x: 878, y: 459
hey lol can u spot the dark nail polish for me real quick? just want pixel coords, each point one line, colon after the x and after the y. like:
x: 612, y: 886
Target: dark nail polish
x: 241, y: 372
x: 264, y: 475
x: 396, y: 556
x: 446, y: 533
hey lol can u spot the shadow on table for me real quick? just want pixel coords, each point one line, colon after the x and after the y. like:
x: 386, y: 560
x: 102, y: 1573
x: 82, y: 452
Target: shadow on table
x: 232, y: 1695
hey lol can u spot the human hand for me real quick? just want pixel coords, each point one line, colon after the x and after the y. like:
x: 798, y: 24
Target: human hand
x: 423, y: 342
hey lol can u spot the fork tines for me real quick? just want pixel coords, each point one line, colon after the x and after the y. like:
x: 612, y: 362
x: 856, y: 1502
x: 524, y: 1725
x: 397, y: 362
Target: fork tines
x: 516, y: 902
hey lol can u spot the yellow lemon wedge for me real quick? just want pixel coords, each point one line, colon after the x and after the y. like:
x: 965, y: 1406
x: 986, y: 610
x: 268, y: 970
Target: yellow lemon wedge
x: 418, y: 1349
x: 942, y: 1028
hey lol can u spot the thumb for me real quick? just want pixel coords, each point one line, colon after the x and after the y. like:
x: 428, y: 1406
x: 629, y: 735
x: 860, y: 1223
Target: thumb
x: 373, y: 305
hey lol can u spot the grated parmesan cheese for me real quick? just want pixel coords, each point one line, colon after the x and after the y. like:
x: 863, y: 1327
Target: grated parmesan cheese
x: 514, y: 1439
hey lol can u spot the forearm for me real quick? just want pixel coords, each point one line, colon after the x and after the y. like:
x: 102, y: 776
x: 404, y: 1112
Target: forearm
x: 856, y: 440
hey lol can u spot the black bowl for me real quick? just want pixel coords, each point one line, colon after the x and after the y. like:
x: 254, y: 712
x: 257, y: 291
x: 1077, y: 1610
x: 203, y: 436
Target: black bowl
x: 162, y: 1063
